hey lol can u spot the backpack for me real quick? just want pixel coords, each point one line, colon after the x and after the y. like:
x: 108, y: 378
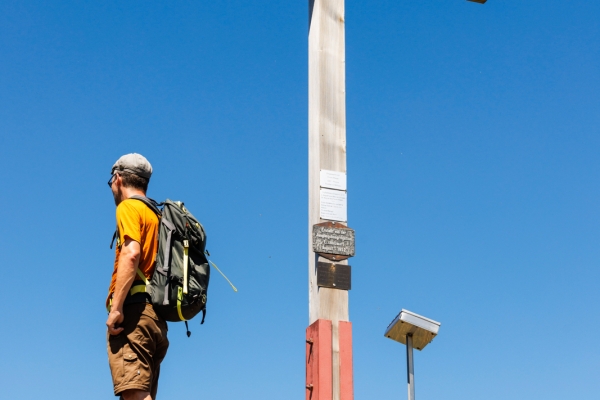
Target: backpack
x: 178, y: 287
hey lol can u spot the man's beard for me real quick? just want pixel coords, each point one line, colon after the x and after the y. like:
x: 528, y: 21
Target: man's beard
x: 117, y: 196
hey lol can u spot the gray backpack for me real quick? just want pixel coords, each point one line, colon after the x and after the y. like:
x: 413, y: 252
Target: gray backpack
x: 178, y: 287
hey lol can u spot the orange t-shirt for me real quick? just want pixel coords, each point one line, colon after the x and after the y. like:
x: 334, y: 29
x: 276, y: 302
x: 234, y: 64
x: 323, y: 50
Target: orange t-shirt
x: 138, y: 222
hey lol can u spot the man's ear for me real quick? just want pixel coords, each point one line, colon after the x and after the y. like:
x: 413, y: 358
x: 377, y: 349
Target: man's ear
x: 118, y: 180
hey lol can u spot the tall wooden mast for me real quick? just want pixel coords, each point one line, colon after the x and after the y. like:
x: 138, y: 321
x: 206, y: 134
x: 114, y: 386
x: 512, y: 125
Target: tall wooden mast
x: 329, y: 336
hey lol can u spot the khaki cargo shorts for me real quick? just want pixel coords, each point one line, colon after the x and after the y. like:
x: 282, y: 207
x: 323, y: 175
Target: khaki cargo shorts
x: 135, y: 354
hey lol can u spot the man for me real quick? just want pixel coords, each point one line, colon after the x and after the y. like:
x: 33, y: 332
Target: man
x: 137, y: 337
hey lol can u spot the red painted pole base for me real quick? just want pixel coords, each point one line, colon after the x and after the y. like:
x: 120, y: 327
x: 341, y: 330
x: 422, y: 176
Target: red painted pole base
x: 346, y: 374
x: 319, y: 366
x: 318, y: 361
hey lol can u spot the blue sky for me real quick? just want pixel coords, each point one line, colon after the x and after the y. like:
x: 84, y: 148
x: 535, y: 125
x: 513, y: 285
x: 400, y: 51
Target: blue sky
x: 473, y: 139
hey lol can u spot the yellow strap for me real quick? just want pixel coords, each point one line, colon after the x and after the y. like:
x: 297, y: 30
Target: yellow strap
x: 137, y: 289
x: 179, y: 298
x: 141, y: 275
x: 213, y: 264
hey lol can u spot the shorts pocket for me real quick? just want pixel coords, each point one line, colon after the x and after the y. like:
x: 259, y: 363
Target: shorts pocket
x: 131, y: 364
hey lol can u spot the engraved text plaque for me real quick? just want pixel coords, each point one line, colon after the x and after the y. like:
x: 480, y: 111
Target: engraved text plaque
x: 333, y: 240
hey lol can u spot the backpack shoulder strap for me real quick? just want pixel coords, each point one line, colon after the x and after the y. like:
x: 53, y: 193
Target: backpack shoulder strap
x: 113, y: 239
x: 152, y: 204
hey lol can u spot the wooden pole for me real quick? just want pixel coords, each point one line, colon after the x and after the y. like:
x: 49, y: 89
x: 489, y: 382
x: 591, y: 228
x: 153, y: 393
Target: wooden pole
x: 327, y: 150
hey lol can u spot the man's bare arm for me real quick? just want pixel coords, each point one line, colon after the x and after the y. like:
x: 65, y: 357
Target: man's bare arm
x: 129, y: 259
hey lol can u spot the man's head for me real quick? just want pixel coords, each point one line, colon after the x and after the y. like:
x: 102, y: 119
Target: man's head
x: 130, y: 175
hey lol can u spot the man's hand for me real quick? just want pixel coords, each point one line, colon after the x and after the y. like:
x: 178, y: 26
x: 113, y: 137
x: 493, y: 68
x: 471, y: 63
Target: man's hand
x: 115, y: 318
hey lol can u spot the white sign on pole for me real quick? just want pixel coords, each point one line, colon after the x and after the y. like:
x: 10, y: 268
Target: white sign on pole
x: 334, y: 205
x: 333, y: 179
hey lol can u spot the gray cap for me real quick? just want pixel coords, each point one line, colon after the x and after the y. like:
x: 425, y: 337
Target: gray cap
x: 133, y: 163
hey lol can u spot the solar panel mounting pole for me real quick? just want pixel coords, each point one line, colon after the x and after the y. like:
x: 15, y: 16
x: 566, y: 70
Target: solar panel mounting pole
x: 410, y: 367
x: 329, y: 335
